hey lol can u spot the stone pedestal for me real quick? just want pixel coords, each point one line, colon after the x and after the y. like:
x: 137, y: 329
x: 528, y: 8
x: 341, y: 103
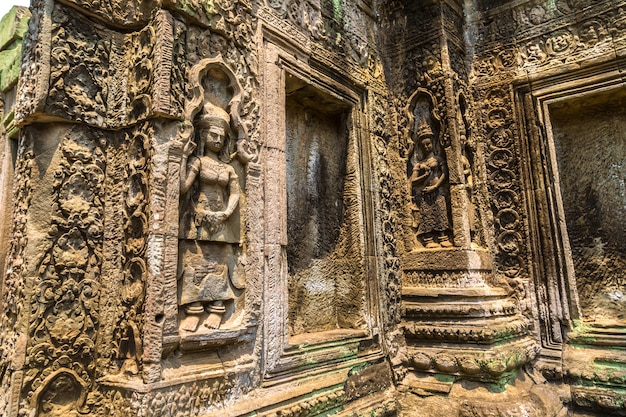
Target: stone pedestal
x: 457, y: 323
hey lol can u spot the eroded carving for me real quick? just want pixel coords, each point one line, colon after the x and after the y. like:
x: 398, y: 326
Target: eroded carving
x: 64, y: 320
x: 428, y: 184
x: 211, y: 265
x: 78, y: 84
x: 127, y: 335
x: 13, y: 285
x: 120, y: 12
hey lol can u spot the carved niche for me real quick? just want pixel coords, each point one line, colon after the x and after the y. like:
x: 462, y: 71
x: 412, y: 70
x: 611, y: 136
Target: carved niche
x: 427, y: 176
x: 211, y: 268
x: 590, y: 146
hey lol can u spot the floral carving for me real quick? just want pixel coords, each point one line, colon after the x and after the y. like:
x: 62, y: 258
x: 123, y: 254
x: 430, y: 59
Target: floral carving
x: 78, y: 68
x: 127, y: 335
x: 64, y: 319
x: 13, y: 285
x: 391, y: 265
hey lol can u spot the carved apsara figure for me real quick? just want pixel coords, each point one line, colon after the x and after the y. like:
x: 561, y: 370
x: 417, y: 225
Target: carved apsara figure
x: 218, y: 183
x: 210, y: 270
x: 427, y: 184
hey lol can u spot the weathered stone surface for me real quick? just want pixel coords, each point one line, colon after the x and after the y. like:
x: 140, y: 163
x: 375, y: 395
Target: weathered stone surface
x: 12, y: 28
x: 310, y: 207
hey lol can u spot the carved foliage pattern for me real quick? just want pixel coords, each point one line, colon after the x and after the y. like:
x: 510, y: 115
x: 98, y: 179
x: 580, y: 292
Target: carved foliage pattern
x: 412, y: 49
x: 190, y: 399
x: 448, y: 279
x: 141, y: 49
x: 176, y: 91
x: 200, y: 397
x: 129, y: 322
x: 193, y: 399
x: 539, y: 35
x: 120, y: 11
x: 13, y: 289
x: 379, y: 122
x: 338, y: 26
x: 155, y: 79
x: 306, y: 14
x: 503, y: 181
x: 222, y: 16
x: 32, y: 71
x: 101, y: 76
x: 64, y: 313
x: 78, y: 67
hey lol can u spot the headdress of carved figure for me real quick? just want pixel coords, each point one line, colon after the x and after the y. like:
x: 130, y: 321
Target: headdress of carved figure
x: 424, y: 131
x: 213, y: 115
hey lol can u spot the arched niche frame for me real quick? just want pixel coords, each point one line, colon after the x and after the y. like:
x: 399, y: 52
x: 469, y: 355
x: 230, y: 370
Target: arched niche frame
x: 212, y: 81
x: 307, y: 324
x: 229, y: 98
x: 62, y: 391
x: 421, y: 104
x: 434, y: 229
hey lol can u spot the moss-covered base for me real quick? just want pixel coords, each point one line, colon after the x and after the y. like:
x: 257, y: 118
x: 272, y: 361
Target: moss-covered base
x: 525, y: 396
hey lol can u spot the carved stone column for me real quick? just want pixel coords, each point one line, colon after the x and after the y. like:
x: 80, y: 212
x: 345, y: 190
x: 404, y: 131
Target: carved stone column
x: 454, y: 297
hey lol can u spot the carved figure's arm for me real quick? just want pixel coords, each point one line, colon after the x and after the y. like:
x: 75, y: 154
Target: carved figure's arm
x: 432, y: 187
x: 415, y: 176
x: 233, y: 188
x: 188, y: 173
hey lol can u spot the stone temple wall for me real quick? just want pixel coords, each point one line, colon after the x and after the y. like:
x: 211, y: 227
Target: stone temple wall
x: 313, y: 207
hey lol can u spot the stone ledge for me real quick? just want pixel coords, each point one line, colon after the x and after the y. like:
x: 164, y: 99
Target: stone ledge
x: 458, y: 309
x: 476, y: 292
x: 214, y: 339
x: 493, y: 364
x: 452, y: 259
x: 482, y: 331
x: 597, y: 399
x: 302, y: 361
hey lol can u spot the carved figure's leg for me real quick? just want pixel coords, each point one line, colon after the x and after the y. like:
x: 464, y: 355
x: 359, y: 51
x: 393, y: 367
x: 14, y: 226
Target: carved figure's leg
x: 193, y: 312
x: 429, y: 242
x: 216, y: 310
x: 444, y: 241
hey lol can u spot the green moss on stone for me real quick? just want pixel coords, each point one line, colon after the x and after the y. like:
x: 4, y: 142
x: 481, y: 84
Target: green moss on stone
x: 13, y: 26
x: 10, y: 67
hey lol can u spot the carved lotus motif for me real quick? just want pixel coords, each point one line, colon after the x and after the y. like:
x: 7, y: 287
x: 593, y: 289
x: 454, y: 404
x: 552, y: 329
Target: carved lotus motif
x: 421, y: 361
x: 496, y: 367
x: 65, y: 327
x: 446, y: 363
x: 470, y: 366
x: 71, y: 252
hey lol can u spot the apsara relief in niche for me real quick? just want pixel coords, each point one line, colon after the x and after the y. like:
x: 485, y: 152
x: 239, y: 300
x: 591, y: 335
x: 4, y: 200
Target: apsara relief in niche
x: 428, y: 181
x: 211, y: 251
